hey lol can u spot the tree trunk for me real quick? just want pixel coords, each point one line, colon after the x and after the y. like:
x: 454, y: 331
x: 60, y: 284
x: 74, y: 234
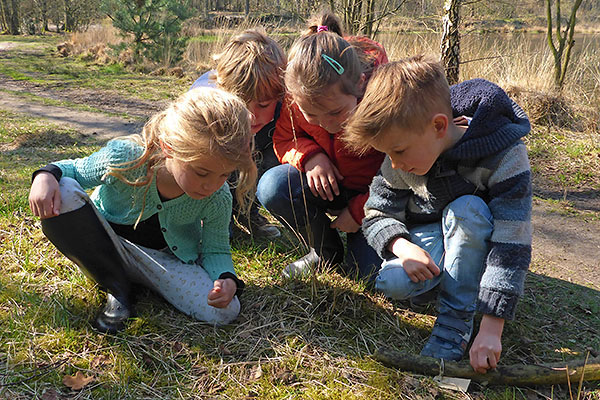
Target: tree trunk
x: 368, y: 19
x: 512, y: 375
x: 3, y: 16
x: 564, y: 40
x: 450, y: 45
x: 247, y: 8
x: 44, y: 13
x: 354, y: 16
x: 69, y: 17
x: 14, y: 20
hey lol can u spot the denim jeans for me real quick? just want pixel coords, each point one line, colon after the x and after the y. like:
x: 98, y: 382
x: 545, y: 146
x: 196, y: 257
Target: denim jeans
x: 459, y: 245
x: 265, y: 159
x: 284, y: 192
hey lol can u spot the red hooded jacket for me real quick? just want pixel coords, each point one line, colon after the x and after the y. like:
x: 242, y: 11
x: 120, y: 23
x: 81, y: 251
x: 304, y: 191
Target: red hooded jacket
x: 358, y: 171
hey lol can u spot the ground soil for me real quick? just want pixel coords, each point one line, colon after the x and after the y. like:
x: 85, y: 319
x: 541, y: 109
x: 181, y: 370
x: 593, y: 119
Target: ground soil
x: 566, y: 241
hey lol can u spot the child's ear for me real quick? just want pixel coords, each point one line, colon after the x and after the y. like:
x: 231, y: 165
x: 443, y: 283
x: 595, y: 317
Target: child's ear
x: 362, y: 83
x: 440, y: 123
x: 166, y: 149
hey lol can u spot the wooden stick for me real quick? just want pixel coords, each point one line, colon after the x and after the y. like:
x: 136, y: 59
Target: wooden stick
x: 515, y: 375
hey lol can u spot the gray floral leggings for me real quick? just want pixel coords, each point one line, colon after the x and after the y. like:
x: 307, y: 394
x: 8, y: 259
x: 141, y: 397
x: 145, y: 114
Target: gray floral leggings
x: 185, y: 286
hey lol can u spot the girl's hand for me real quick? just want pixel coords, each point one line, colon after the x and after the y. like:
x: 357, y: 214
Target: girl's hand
x: 487, y: 346
x: 44, y: 196
x: 345, y: 222
x: 417, y: 263
x: 222, y: 293
x: 322, y: 176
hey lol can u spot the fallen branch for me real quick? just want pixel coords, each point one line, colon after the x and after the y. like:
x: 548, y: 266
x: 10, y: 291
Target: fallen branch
x: 514, y: 375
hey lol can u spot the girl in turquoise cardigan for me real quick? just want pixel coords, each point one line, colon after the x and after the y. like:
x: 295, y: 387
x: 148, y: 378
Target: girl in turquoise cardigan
x: 159, y: 213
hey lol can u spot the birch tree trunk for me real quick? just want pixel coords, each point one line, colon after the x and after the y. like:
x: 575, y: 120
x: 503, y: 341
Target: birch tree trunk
x: 450, y: 45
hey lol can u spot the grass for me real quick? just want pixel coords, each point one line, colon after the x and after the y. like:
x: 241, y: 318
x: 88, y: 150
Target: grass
x: 40, y: 65
x: 308, y: 339
x: 570, y: 158
x: 311, y: 338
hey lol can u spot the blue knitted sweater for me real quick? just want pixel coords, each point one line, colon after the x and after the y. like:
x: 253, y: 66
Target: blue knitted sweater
x: 490, y: 161
x: 192, y: 228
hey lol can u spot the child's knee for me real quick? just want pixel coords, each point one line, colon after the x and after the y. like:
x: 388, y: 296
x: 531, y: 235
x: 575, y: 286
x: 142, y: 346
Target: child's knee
x: 217, y: 316
x: 272, y: 186
x: 72, y: 195
x: 471, y: 213
x: 393, y: 281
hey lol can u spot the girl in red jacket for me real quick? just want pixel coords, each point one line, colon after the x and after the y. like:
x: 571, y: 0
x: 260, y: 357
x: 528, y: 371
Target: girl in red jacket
x: 326, y: 76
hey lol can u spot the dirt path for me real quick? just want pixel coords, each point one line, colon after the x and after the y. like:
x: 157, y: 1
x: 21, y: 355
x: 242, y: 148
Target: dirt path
x: 102, y: 126
x: 565, y: 246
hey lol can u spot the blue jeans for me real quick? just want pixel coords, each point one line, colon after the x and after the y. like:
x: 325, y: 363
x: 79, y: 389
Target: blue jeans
x: 459, y: 245
x: 284, y: 192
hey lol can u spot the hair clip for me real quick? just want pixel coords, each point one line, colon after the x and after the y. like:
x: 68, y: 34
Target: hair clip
x: 337, y: 67
x: 322, y: 28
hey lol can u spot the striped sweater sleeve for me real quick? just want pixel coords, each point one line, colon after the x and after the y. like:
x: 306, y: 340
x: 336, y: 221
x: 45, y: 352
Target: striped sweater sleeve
x: 509, y: 190
x: 385, y: 215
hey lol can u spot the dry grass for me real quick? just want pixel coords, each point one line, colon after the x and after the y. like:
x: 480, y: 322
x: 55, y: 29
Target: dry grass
x: 103, y: 33
x: 517, y: 61
x: 94, y: 44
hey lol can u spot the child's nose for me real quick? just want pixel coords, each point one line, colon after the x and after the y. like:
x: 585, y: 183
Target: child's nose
x: 212, y: 185
x: 397, y: 164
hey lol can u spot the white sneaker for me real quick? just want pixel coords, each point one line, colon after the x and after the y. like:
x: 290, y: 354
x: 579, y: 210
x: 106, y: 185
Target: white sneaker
x: 303, y: 266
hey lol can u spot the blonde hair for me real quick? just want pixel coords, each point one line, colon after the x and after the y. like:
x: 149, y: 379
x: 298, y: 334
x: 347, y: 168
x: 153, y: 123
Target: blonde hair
x: 201, y: 122
x: 309, y: 74
x: 251, y: 66
x: 406, y: 93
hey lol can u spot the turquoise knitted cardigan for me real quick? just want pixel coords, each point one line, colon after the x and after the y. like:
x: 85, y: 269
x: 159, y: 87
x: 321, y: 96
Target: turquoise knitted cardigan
x: 192, y: 228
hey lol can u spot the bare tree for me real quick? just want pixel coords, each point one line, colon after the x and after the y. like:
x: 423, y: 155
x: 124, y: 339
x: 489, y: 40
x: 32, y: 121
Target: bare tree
x: 3, y: 16
x: 11, y: 20
x: 450, y: 45
x: 562, y: 52
x: 43, y: 7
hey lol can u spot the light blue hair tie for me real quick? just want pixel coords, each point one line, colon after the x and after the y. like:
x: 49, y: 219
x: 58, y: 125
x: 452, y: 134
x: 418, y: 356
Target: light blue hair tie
x: 337, y: 67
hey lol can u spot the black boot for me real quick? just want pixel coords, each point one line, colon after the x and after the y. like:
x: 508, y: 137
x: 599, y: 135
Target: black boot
x: 82, y: 238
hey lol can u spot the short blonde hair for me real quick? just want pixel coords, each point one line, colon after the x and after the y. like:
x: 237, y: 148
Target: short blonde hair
x: 251, y: 66
x: 405, y: 93
x: 309, y: 74
x: 201, y: 122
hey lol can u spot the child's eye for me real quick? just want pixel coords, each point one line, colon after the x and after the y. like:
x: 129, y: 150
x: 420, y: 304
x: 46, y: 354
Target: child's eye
x: 264, y: 105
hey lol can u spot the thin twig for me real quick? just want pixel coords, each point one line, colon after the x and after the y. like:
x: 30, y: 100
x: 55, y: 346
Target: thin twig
x: 45, y: 370
x: 582, y: 374
x: 569, y: 382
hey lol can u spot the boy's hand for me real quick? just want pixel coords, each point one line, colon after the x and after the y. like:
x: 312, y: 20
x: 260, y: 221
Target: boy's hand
x: 222, y: 293
x: 487, y: 346
x: 44, y: 195
x: 322, y: 176
x: 417, y: 263
x: 345, y: 222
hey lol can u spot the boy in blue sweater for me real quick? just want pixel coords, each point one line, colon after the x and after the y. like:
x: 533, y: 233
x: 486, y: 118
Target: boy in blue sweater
x: 451, y: 205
